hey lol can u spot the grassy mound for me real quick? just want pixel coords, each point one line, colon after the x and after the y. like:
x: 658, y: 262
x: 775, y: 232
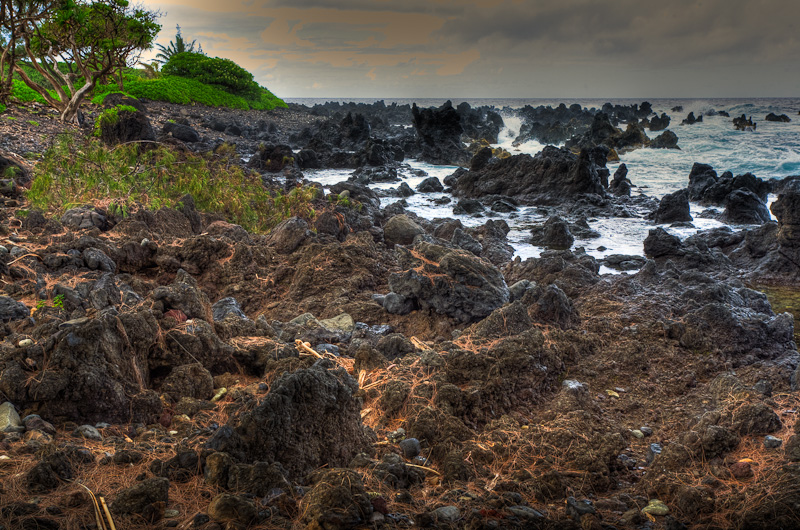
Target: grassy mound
x: 185, y: 91
x: 76, y: 171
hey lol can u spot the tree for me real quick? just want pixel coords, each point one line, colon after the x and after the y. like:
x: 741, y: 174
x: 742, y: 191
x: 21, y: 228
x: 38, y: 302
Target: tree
x: 174, y: 48
x: 14, y: 15
x: 73, y: 44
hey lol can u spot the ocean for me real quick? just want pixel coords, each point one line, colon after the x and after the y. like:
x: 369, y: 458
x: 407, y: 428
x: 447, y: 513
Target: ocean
x: 771, y: 151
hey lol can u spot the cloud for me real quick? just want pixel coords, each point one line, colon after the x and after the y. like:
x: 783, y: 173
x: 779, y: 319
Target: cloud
x: 500, y: 47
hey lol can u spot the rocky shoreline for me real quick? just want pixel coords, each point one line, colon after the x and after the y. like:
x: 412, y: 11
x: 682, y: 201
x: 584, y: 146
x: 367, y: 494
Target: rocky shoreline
x: 368, y: 368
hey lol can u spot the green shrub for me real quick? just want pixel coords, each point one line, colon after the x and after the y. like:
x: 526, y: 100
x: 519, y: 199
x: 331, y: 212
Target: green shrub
x: 173, y: 89
x: 214, y: 71
x: 2, y: 108
x: 25, y: 94
x: 77, y: 171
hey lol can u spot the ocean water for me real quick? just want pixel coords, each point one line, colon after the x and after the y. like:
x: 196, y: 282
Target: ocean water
x: 771, y: 151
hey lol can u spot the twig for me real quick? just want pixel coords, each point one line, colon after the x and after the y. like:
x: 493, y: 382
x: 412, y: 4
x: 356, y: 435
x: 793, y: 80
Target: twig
x: 305, y: 347
x: 425, y: 468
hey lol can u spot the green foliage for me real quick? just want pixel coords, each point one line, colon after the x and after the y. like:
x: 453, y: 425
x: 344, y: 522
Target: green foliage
x: 79, y: 171
x: 33, y: 122
x: 93, y: 39
x: 110, y: 117
x: 185, y: 91
x: 58, y: 301
x: 2, y: 108
x: 174, y: 48
x: 25, y: 94
x: 214, y: 71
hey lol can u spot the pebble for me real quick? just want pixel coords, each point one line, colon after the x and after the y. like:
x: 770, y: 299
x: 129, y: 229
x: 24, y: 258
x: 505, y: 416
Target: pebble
x: 742, y: 469
x: 652, y: 451
x: 637, y: 434
x: 447, y: 514
x: 88, y: 432
x: 578, y: 508
x: 171, y: 513
x: 9, y: 419
x: 771, y: 442
x: 420, y: 461
x: 25, y: 343
x: 219, y: 395
x: 410, y: 447
x: 647, y: 431
x: 525, y: 512
x: 656, y: 507
x: 397, y: 435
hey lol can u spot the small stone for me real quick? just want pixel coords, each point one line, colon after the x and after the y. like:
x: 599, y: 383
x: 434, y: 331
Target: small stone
x: 771, y: 442
x: 397, y: 435
x: 200, y: 519
x: 742, y: 470
x: 171, y: 513
x: 410, y: 447
x: 219, y: 395
x: 447, y: 514
x: 88, y: 432
x: 578, y: 508
x: 656, y: 507
x: 647, y: 431
x: 637, y: 434
x: 652, y: 451
x: 9, y: 419
x: 612, y: 393
x: 231, y: 508
x: 25, y: 343
x: 525, y: 513
x: 420, y: 461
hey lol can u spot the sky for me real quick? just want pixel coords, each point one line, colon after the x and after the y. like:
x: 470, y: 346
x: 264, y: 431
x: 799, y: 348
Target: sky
x: 501, y: 48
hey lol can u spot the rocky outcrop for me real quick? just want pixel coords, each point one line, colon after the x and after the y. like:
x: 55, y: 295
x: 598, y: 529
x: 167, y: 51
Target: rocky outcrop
x: 553, y: 174
x: 554, y: 234
x: 787, y: 210
x: 439, y: 132
x: 620, y: 185
x: 659, y: 123
x: 665, y: 140
x: 783, y: 118
x: 125, y: 126
x: 742, y: 206
x: 743, y: 123
x: 674, y: 207
x: 691, y: 119
x: 744, y: 196
x: 452, y: 282
x: 309, y: 418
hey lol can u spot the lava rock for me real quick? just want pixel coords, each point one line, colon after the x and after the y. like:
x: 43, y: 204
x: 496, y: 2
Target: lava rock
x: 184, y: 133
x: 401, y: 230
x: 429, y: 185
x: 554, y: 233
x: 136, y: 498
x: 742, y: 206
x: 336, y: 501
x: 674, y: 207
x: 453, y: 282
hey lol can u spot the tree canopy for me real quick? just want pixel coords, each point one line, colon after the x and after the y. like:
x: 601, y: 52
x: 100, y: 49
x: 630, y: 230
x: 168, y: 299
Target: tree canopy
x: 179, y: 45
x: 73, y: 44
